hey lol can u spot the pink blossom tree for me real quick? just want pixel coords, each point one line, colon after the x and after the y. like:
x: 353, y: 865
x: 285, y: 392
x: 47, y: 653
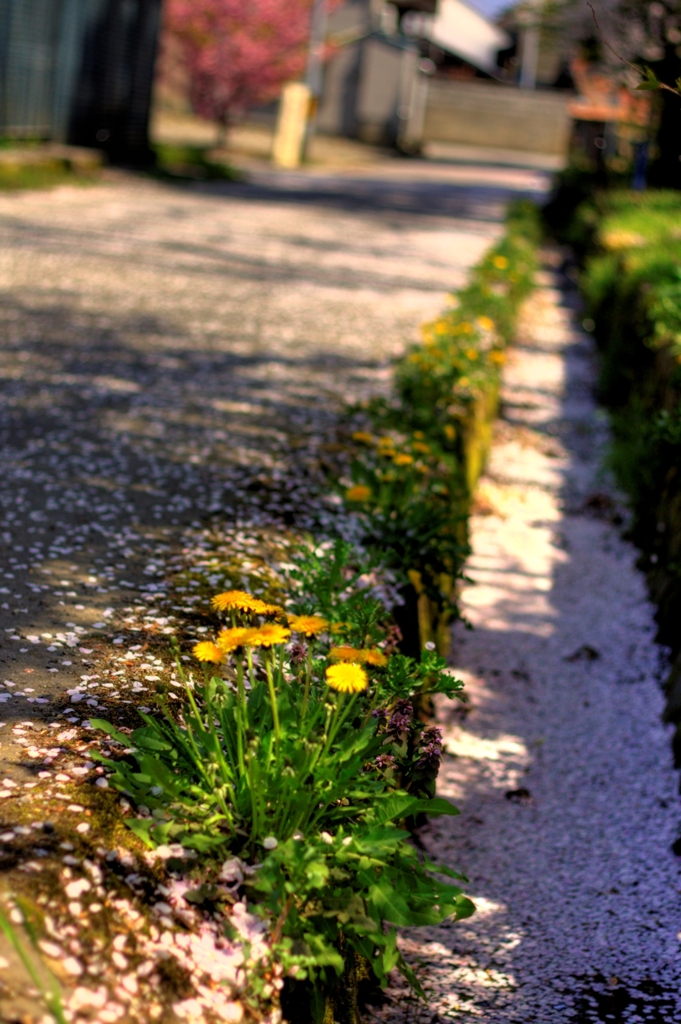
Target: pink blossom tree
x: 238, y: 52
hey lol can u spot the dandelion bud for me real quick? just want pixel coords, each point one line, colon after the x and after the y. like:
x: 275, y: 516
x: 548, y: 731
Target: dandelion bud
x: 298, y: 653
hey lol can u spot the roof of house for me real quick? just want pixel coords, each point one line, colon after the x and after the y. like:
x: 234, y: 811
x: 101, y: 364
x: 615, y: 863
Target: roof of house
x: 463, y: 31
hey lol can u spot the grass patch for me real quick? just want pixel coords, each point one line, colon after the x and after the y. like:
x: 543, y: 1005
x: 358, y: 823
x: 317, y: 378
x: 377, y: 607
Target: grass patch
x: 191, y: 163
x: 418, y: 456
x: 16, y: 176
x: 631, y: 281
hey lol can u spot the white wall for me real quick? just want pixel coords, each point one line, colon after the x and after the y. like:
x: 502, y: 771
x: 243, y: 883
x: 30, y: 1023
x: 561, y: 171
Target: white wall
x: 463, y: 31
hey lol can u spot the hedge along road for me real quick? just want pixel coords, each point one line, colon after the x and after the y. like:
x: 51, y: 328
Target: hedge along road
x: 175, y: 352
x: 560, y: 763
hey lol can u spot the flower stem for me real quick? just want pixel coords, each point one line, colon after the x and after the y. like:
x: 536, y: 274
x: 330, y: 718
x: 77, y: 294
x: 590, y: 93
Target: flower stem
x: 240, y: 714
x: 339, y: 718
x: 308, y: 681
x: 273, y: 701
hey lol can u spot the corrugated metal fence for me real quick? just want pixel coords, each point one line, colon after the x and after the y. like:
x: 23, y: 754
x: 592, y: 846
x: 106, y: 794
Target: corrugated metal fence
x: 78, y: 71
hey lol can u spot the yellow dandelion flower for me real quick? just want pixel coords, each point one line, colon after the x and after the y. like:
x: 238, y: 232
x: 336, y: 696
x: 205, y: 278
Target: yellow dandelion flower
x: 622, y: 240
x: 239, y: 600
x: 267, y: 636
x: 485, y: 323
x: 463, y: 381
x: 441, y: 327
x: 230, y: 639
x: 450, y: 431
x: 402, y: 459
x: 471, y: 354
x: 347, y: 653
x: 270, y: 609
x: 208, y: 651
x: 421, y: 446
x: 308, y: 624
x: 359, y: 656
x: 500, y: 262
x: 362, y: 437
x: 375, y: 657
x: 346, y: 678
x: 360, y: 492
x: 465, y: 327
x: 419, y: 435
x: 497, y: 357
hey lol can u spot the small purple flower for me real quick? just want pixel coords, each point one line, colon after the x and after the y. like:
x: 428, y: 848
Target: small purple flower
x: 400, y: 720
x: 393, y: 639
x: 380, y: 713
x: 431, y: 749
x: 433, y: 734
x: 298, y: 653
x: 384, y: 761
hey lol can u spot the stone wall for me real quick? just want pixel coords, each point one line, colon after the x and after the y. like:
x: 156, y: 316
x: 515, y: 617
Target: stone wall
x: 487, y: 114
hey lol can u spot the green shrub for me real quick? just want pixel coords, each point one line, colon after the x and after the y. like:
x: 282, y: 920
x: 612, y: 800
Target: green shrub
x: 192, y: 163
x: 632, y: 285
x: 416, y: 466
x: 47, y: 174
x: 411, y: 501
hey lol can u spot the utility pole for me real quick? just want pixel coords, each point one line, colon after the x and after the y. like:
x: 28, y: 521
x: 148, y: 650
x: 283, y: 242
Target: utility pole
x: 298, y: 104
x: 315, y: 52
x: 530, y: 17
x: 313, y: 75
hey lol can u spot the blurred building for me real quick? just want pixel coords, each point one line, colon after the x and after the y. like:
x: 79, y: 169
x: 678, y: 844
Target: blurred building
x: 610, y: 121
x: 371, y: 83
x: 428, y: 74
x: 79, y: 71
x: 458, y: 38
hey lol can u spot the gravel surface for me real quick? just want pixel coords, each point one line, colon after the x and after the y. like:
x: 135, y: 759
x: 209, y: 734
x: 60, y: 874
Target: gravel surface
x: 174, y: 352
x: 560, y: 764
